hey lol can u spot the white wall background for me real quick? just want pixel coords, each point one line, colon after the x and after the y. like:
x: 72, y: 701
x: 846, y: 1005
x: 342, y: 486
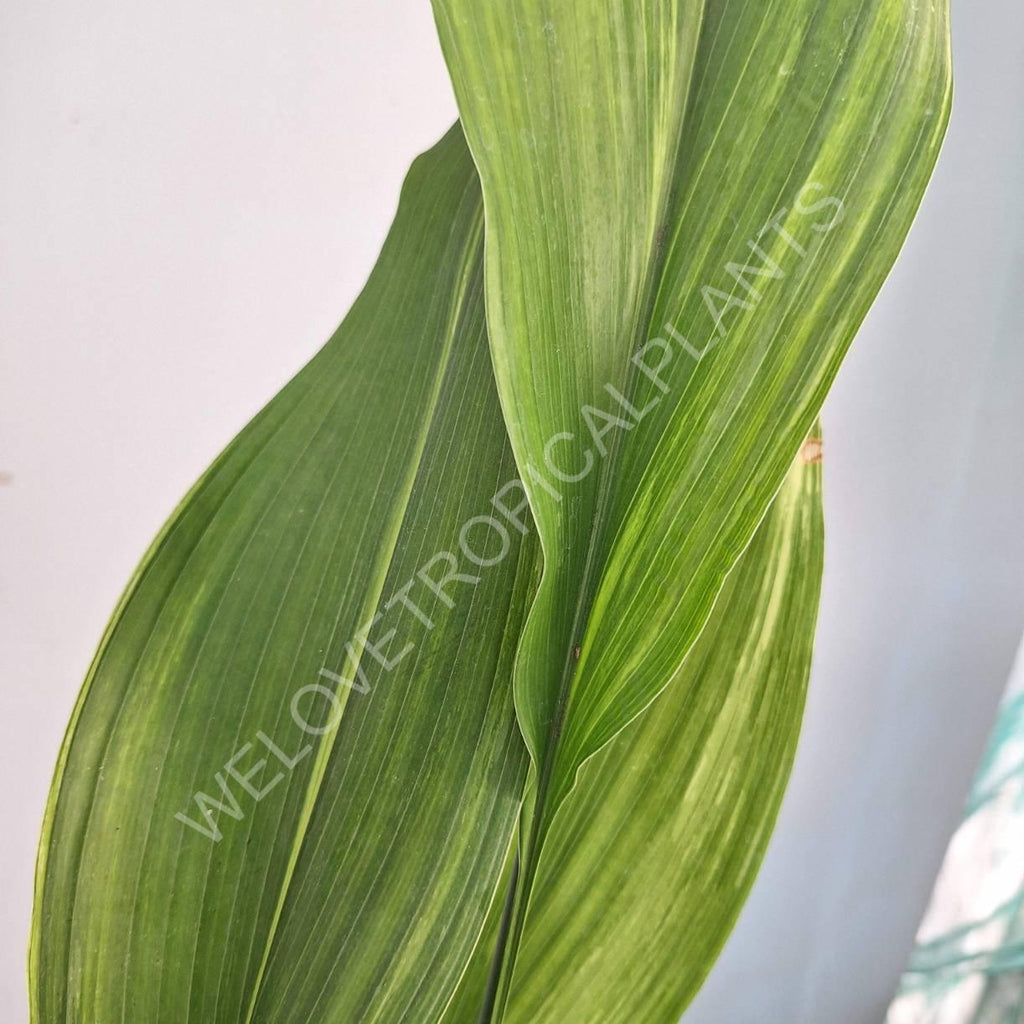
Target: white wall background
x: 190, y: 197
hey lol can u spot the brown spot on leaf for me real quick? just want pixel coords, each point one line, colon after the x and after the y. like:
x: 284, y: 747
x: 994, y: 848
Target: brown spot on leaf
x: 811, y: 450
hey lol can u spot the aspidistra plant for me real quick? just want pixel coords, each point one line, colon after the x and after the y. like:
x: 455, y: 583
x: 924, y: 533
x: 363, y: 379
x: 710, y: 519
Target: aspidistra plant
x: 465, y: 684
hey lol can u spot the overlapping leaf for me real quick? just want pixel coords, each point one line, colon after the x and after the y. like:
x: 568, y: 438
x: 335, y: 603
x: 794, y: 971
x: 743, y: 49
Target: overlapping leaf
x: 655, y: 849
x: 355, y: 886
x: 690, y: 205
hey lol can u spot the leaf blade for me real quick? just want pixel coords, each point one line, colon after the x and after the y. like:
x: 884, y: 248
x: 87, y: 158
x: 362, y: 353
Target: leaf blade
x: 642, y: 878
x: 263, y: 577
x: 778, y: 125
x: 652, y: 855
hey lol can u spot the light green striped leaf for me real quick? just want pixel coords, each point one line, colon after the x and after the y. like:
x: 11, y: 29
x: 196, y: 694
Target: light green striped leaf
x: 654, y: 851
x: 690, y: 205
x: 354, y: 886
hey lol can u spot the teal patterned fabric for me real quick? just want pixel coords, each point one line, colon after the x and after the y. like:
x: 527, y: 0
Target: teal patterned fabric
x: 967, y: 966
